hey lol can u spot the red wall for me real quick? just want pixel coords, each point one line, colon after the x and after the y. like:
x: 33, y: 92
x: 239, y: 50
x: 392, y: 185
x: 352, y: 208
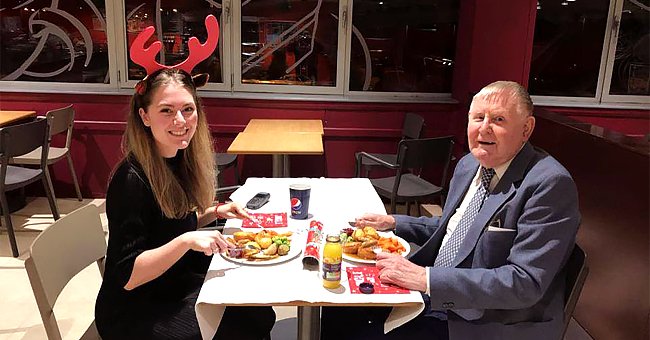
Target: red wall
x: 349, y: 128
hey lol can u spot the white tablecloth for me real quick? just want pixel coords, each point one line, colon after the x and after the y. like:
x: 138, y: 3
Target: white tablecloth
x: 333, y: 202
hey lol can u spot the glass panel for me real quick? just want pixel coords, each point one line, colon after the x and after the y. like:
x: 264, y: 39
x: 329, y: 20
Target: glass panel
x: 50, y: 41
x: 175, y: 22
x: 631, y: 72
x: 403, y: 45
x: 289, y: 42
x: 567, y: 47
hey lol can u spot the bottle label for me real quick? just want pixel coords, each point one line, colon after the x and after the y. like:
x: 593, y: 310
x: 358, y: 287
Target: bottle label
x: 332, y: 271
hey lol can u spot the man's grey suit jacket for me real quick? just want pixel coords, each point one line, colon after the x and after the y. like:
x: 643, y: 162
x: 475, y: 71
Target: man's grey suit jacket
x: 506, y: 281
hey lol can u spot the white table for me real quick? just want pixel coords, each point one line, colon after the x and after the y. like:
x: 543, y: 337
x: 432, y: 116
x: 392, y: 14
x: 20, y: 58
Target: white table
x: 333, y: 202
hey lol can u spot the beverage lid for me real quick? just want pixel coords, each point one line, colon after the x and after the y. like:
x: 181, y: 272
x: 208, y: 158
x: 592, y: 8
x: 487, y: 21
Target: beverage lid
x: 335, y: 238
x: 300, y: 186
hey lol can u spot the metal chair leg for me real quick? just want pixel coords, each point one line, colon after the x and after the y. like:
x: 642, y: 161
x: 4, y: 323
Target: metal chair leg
x: 9, y: 226
x: 74, y: 177
x: 49, y: 192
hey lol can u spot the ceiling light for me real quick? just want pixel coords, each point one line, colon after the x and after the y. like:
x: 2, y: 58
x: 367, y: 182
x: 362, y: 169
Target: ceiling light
x: 564, y: 3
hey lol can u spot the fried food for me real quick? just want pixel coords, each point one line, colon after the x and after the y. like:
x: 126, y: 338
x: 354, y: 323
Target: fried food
x: 350, y: 247
x: 366, y: 253
x: 271, y: 249
x: 243, y: 235
x: 261, y: 246
x: 283, y: 249
x: 370, y: 232
x: 265, y: 242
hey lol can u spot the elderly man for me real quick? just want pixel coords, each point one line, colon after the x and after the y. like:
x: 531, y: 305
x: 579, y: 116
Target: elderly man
x: 491, y: 266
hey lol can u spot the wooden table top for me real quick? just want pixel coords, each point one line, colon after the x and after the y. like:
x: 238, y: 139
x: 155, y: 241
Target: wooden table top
x: 9, y: 117
x: 269, y: 143
x: 284, y: 125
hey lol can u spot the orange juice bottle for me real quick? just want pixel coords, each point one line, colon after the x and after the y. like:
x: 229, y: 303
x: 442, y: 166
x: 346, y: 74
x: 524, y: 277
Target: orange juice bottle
x: 332, y: 256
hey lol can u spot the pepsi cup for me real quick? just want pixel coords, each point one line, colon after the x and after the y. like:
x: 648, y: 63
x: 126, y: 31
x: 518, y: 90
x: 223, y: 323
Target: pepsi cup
x: 299, y: 194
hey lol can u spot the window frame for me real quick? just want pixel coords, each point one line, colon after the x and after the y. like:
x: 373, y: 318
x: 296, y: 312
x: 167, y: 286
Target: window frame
x: 602, y: 98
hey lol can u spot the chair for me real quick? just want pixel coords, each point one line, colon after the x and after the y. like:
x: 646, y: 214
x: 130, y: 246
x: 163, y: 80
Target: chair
x: 59, y: 253
x: 414, y: 155
x: 17, y: 140
x: 60, y: 120
x: 219, y: 223
x: 412, y: 129
x: 576, y: 274
x: 224, y: 161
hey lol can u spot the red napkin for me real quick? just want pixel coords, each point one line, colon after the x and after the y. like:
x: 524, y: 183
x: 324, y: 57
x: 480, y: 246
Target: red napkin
x: 272, y: 220
x: 358, y: 275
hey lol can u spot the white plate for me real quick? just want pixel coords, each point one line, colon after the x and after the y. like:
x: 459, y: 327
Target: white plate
x: 402, y: 241
x: 293, y: 252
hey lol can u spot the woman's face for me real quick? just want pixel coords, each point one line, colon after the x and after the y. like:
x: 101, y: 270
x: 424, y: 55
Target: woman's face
x: 172, y: 117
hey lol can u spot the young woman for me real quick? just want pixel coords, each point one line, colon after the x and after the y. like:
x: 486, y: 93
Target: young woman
x: 158, y: 195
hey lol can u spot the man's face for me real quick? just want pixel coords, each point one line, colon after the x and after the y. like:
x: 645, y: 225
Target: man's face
x: 496, y: 130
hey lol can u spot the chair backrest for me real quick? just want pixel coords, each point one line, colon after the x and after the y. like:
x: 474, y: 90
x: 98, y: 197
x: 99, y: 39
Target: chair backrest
x: 61, y: 120
x: 413, y: 124
x: 16, y: 140
x: 576, y: 274
x: 61, y: 251
x: 416, y: 154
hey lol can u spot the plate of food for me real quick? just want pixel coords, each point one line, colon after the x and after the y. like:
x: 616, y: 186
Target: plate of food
x: 361, y: 245
x: 263, y: 248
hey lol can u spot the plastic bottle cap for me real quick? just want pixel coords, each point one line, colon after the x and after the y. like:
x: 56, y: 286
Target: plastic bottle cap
x: 367, y: 288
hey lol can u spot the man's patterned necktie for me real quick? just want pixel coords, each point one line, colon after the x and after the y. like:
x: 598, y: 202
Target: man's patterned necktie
x: 450, y: 249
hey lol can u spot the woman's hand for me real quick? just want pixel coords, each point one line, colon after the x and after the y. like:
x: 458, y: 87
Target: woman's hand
x: 207, y: 241
x: 379, y: 222
x: 232, y: 210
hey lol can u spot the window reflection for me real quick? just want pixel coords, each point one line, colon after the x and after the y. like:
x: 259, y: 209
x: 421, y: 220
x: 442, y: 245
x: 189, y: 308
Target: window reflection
x: 403, y: 46
x: 175, y: 22
x: 631, y: 73
x: 50, y: 41
x: 567, y: 47
x: 289, y: 42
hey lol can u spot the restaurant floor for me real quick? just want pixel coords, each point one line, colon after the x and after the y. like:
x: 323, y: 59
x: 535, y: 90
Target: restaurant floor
x: 74, y: 310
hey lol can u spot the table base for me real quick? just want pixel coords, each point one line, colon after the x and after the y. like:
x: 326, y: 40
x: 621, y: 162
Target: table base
x: 308, y: 323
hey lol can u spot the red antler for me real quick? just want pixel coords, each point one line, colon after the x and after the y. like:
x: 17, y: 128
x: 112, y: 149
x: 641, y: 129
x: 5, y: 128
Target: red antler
x: 198, y: 51
x: 146, y: 57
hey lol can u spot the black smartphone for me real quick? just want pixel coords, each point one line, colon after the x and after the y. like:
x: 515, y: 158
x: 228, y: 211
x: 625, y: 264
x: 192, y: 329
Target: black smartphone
x: 258, y: 200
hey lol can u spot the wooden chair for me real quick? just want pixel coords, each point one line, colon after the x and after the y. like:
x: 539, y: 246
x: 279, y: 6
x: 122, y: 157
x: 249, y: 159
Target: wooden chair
x: 414, y: 155
x: 576, y: 274
x: 17, y: 140
x: 59, y: 253
x: 412, y: 129
x: 60, y: 120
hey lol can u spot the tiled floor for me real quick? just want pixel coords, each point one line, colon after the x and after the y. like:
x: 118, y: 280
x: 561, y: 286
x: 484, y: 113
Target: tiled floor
x: 74, y: 310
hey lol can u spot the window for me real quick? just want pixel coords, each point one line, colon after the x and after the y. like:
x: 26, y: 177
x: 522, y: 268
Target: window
x: 63, y: 42
x: 377, y: 49
x: 403, y: 46
x: 289, y: 43
x: 175, y: 23
x: 591, y: 51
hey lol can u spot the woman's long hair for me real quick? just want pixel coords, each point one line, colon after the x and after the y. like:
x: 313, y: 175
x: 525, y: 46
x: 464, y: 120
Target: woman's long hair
x: 194, y: 186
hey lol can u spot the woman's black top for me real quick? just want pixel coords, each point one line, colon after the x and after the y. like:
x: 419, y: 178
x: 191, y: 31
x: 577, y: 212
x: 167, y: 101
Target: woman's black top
x: 136, y: 224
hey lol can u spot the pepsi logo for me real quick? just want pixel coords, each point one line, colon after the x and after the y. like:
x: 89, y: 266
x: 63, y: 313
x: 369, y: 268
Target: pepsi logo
x: 295, y: 203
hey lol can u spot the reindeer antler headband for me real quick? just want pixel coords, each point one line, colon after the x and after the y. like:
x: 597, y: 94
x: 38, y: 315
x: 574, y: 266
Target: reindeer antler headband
x: 146, y: 57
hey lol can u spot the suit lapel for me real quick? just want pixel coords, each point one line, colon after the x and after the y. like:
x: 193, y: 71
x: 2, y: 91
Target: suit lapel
x: 499, y: 195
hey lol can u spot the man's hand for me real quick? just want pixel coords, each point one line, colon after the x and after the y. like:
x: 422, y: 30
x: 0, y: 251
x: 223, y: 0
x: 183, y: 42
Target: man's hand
x: 379, y: 222
x: 395, y: 269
